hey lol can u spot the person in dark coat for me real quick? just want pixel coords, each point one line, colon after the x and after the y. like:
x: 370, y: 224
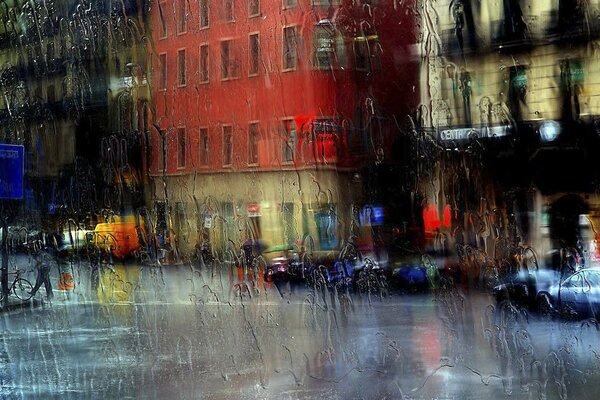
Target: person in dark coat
x: 43, y: 277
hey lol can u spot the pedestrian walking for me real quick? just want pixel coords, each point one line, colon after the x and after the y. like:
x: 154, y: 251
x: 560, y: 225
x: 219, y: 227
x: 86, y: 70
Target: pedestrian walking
x: 43, y: 277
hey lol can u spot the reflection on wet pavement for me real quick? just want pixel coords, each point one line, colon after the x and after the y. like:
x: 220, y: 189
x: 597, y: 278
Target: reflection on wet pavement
x: 440, y: 345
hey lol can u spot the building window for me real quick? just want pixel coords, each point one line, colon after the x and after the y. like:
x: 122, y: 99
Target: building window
x: 326, y: 221
x: 253, y: 136
x: 204, y: 21
x: 571, y: 79
x: 162, y: 10
x: 182, y: 12
x: 229, y: 225
x: 289, y: 3
x: 50, y: 50
x: 361, y: 53
x: 324, y: 46
x: 254, y: 46
x: 513, y: 26
x: 289, y: 141
x: 204, y: 63
x: 289, y: 225
x: 162, y: 157
x: 326, y: 2
x: 227, y: 145
x: 204, y: 149
x: 181, y: 68
x: 325, y: 137
x: 162, y: 76
x: 517, y: 91
x: 228, y: 10
x: 181, y: 147
x: 290, y: 50
x: 229, y: 67
x: 50, y: 94
x: 253, y: 8
x: 466, y: 91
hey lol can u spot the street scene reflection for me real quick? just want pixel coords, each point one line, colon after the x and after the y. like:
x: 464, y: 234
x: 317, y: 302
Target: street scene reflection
x: 299, y: 199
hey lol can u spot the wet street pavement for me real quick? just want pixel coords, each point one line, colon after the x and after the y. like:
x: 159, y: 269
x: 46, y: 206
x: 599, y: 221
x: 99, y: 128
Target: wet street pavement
x: 189, y: 334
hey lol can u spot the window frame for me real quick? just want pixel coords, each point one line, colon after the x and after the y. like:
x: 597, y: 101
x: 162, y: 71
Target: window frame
x: 225, y: 17
x: 181, y: 165
x: 325, y: 3
x: 203, y: 152
x: 355, y: 44
x: 253, y: 146
x: 332, y: 56
x: 230, y: 153
x: 163, y: 72
x: 162, y: 164
x: 164, y: 27
x: 286, y: 6
x: 285, y: 142
x: 182, y: 23
x: 180, y: 51
x: 258, y: 12
x: 285, y: 68
x: 233, y: 72
x: 200, y: 19
x: 318, y: 137
x: 200, y: 71
x: 250, y: 54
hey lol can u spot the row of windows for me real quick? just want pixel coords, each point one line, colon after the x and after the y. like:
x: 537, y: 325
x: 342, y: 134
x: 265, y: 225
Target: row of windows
x: 226, y: 10
x: 229, y: 62
x: 571, y: 81
x: 205, y: 150
x: 328, y: 51
x: 288, y: 145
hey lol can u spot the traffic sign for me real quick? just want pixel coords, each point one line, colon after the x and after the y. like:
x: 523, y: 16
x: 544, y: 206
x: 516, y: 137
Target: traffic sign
x: 11, y: 171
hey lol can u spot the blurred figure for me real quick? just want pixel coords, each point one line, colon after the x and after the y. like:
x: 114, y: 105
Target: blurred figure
x: 43, y: 266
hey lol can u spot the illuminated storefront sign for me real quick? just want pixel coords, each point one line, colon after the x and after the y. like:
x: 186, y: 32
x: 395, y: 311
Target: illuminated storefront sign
x: 371, y: 215
x: 253, y: 209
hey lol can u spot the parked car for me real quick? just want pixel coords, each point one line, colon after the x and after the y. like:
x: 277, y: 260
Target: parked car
x: 577, y: 294
x: 522, y: 288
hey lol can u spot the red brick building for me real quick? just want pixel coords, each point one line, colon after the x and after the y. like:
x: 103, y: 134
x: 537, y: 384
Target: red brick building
x: 266, y: 110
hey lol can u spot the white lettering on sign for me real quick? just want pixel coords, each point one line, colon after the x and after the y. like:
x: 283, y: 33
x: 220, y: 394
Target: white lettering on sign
x: 466, y: 133
x: 9, y: 154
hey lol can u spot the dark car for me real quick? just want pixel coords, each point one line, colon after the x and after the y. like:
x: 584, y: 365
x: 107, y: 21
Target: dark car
x: 418, y: 273
x: 522, y: 288
x: 281, y: 262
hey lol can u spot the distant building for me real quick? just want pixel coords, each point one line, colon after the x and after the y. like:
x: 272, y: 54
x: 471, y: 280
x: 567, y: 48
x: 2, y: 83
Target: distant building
x: 65, y: 75
x: 266, y: 113
x: 508, y: 95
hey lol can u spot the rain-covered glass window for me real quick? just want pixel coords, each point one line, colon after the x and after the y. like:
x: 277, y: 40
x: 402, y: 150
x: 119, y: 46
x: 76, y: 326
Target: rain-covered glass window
x: 303, y: 199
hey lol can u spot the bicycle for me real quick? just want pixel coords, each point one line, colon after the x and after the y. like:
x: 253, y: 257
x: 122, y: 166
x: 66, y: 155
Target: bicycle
x: 20, y: 287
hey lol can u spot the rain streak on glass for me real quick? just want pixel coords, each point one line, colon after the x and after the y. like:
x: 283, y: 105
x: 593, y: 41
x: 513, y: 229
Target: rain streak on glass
x: 303, y: 199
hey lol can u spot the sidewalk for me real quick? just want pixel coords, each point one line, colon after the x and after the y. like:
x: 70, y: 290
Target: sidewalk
x: 16, y: 304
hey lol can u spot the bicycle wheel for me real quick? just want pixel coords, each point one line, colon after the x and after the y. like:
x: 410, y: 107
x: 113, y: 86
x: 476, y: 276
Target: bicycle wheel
x: 22, y: 289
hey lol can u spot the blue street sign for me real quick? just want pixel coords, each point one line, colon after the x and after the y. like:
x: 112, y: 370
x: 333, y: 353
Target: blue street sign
x: 11, y: 171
